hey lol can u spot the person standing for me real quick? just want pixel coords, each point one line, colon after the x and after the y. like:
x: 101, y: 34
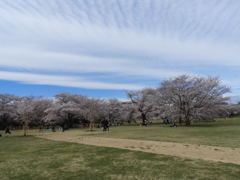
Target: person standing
x: 7, y: 130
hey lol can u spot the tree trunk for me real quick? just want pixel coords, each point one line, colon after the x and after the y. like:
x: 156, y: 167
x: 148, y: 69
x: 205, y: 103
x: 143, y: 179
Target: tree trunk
x: 3, y: 121
x: 91, y: 125
x: 143, y: 117
x: 70, y: 120
x: 187, y: 120
x: 25, y: 126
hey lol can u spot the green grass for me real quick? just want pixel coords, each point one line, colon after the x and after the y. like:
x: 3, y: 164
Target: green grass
x: 29, y: 157
x: 23, y: 158
x: 224, y: 133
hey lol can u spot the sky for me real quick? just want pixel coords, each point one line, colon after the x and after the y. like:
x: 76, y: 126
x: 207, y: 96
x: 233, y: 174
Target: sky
x: 102, y: 48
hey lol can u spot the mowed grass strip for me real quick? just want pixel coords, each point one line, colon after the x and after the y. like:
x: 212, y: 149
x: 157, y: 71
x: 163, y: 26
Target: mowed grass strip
x: 25, y: 158
x: 224, y: 132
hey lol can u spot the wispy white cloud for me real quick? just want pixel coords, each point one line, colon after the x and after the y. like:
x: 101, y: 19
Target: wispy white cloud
x: 69, y: 81
x: 64, y: 62
x: 128, y: 38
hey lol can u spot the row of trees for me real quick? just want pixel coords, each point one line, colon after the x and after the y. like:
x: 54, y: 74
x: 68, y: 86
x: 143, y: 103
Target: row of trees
x: 184, y: 97
x: 181, y: 98
x: 64, y: 109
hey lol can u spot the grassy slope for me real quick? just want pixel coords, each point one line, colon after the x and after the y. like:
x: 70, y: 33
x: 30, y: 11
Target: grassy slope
x: 221, y: 133
x: 33, y: 158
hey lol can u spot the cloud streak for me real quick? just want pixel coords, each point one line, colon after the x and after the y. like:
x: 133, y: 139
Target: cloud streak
x: 125, y: 40
x: 69, y: 81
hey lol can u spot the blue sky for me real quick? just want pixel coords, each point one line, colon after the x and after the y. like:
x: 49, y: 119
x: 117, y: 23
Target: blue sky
x: 101, y: 47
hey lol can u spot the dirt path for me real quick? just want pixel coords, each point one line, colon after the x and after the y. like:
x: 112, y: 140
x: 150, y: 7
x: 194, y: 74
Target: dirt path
x: 212, y: 153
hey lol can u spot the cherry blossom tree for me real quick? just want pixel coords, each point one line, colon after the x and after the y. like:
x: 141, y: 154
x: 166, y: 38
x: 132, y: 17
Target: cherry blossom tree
x: 7, y: 109
x: 39, y: 107
x: 231, y: 109
x: 143, y: 101
x: 60, y: 113
x: 24, y: 111
x: 193, y: 97
x: 69, y: 107
x: 113, y: 108
x: 129, y: 112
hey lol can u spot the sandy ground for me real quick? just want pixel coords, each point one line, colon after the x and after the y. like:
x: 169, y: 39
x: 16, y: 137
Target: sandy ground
x: 211, y: 153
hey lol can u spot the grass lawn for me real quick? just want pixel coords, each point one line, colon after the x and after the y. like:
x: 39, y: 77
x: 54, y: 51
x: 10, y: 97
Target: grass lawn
x: 30, y: 157
x: 224, y: 132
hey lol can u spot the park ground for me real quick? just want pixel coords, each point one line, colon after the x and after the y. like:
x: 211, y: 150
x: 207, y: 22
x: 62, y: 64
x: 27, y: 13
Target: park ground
x: 206, y: 150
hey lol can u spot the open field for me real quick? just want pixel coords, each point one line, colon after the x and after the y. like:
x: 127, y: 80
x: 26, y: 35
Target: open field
x: 32, y: 157
x: 224, y: 132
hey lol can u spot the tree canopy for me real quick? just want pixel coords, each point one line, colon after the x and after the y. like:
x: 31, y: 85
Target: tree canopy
x: 183, y: 97
x: 193, y: 97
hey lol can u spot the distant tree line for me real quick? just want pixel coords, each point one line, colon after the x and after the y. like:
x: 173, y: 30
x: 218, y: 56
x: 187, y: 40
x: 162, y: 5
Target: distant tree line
x: 184, y: 98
